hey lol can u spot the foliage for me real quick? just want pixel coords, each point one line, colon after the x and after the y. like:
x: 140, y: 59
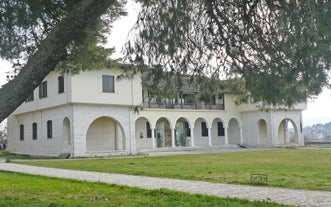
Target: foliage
x: 46, y: 39
x: 25, y: 24
x: 279, y: 49
x: 291, y: 168
x: 25, y: 190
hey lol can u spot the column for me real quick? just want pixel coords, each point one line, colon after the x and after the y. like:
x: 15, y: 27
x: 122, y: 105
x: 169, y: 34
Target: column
x: 173, y: 137
x: 241, y: 136
x: 153, y: 138
x: 192, y: 137
x: 209, y: 136
x: 226, y: 136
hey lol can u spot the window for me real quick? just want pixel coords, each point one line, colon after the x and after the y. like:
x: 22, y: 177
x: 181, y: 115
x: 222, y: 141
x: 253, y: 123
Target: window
x: 43, y: 90
x: 30, y: 97
x: 148, y: 130
x: 108, y: 84
x: 61, y: 84
x: 220, y: 129
x: 204, y: 129
x: 49, y: 129
x: 34, y: 131
x: 188, y: 130
x: 21, y: 132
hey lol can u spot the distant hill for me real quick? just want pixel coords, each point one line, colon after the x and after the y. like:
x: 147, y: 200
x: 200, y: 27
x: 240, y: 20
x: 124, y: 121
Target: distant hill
x: 318, y: 131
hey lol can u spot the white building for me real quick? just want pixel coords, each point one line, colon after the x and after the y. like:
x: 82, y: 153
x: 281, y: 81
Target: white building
x: 95, y: 114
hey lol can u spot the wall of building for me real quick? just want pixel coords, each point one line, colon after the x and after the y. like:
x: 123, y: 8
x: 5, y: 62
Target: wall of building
x: 87, y: 88
x: 85, y: 114
x: 42, y: 145
x: 142, y: 141
x: 53, y: 97
x: 254, y: 132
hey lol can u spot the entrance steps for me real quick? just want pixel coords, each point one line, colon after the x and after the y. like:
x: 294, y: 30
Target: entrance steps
x: 190, y: 150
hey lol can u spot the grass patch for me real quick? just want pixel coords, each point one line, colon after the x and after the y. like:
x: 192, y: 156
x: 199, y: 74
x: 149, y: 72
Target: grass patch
x: 291, y: 168
x: 27, y: 190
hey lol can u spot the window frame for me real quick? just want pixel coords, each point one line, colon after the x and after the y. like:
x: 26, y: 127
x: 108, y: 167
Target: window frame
x: 30, y: 98
x: 148, y: 130
x: 49, y: 129
x: 220, y: 129
x: 21, y: 132
x: 204, y: 129
x: 107, y: 85
x: 43, y: 90
x: 34, y: 131
x: 60, y: 82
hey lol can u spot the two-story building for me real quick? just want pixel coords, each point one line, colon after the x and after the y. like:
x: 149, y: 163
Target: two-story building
x: 96, y: 113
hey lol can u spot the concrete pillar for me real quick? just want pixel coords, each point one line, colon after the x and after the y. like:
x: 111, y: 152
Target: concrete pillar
x: 192, y: 137
x: 173, y: 137
x: 209, y: 136
x: 226, y: 136
x: 153, y: 138
x: 241, y: 136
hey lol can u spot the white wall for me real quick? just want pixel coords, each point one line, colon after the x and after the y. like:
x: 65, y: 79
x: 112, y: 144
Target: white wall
x: 42, y: 146
x: 87, y: 88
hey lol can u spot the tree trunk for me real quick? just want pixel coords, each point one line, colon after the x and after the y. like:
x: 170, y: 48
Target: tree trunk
x: 50, y: 52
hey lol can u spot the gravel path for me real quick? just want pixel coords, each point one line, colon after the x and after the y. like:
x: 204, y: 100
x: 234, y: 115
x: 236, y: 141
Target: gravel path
x: 279, y: 195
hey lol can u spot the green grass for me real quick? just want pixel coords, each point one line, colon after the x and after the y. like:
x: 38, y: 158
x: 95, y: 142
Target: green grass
x: 291, y: 168
x: 27, y: 190
x: 7, y: 155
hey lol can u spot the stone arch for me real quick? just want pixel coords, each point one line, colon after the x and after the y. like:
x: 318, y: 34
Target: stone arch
x: 163, y: 132
x: 66, y: 131
x: 234, y: 131
x: 263, y: 132
x: 201, y: 126
x: 143, y: 129
x: 218, y: 128
x: 105, y: 134
x: 288, y: 132
x: 182, y: 132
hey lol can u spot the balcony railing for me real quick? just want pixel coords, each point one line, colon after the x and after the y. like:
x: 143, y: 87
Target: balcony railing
x: 196, y: 106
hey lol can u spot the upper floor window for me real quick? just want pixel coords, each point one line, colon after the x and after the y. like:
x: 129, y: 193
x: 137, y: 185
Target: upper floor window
x: 108, y: 85
x: 30, y: 97
x: 21, y: 132
x: 49, y: 129
x: 204, y: 129
x: 60, y: 84
x: 34, y: 131
x: 43, y: 90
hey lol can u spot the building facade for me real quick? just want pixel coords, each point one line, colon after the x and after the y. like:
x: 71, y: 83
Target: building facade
x: 96, y: 113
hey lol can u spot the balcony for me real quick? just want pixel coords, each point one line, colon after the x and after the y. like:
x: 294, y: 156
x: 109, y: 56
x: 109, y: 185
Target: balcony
x: 175, y: 104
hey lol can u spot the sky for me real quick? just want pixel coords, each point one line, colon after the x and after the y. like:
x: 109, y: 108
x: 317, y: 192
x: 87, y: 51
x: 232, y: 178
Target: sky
x: 318, y: 110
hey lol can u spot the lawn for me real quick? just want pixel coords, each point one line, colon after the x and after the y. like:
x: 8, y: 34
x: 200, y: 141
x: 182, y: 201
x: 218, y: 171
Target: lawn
x: 291, y: 168
x: 36, y: 191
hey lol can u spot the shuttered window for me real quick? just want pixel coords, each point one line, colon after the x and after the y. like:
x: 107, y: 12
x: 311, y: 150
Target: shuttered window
x: 108, y: 85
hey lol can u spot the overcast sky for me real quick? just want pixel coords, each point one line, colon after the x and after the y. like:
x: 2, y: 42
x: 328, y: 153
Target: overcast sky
x: 318, y: 110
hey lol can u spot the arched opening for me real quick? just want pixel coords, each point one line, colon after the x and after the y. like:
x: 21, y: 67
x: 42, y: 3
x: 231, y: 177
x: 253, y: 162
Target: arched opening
x: 163, y: 133
x: 218, y: 132
x: 201, y: 135
x: 66, y: 134
x: 233, y: 131
x: 143, y: 133
x: 263, y: 133
x: 287, y: 132
x: 103, y: 135
x: 183, y: 133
